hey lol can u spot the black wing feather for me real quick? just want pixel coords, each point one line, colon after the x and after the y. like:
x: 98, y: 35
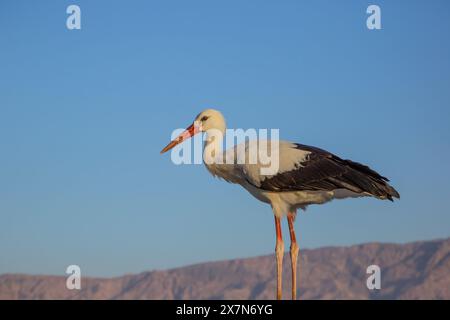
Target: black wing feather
x: 323, y: 171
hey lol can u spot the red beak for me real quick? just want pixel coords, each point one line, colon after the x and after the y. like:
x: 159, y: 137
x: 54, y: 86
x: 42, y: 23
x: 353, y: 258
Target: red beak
x: 188, y: 133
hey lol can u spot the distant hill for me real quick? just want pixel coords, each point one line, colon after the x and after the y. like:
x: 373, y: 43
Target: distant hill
x: 419, y: 270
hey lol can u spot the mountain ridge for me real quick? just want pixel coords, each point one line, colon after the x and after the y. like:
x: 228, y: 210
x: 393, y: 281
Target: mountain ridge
x: 414, y: 270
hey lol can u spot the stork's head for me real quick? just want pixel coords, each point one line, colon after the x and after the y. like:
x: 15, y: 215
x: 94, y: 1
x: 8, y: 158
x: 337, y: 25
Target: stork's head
x: 206, y: 120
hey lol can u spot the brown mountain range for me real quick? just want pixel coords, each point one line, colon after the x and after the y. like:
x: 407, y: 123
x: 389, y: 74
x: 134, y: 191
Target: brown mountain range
x: 419, y: 270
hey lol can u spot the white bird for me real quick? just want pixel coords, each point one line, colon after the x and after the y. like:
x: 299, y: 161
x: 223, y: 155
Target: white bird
x: 306, y: 175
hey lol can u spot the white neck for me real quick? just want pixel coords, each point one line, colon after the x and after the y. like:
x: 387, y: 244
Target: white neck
x: 213, y: 146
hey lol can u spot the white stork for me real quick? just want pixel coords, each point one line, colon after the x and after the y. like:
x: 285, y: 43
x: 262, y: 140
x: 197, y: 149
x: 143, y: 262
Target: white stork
x: 306, y: 175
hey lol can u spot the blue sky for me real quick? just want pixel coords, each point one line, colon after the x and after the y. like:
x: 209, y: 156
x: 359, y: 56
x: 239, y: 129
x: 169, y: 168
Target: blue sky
x: 84, y: 114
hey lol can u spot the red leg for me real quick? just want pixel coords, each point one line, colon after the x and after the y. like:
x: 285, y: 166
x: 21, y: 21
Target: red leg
x: 294, y: 254
x: 279, y: 252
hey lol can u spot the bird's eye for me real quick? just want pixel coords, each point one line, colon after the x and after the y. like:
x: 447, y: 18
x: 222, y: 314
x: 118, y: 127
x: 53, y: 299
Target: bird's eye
x: 204, y: 118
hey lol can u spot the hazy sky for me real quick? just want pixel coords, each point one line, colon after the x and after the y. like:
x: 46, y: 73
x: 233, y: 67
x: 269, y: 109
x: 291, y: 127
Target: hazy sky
x: 84, y: 114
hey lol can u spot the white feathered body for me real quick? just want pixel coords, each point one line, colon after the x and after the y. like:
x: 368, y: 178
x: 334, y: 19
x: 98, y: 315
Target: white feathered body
x: 234, y: 169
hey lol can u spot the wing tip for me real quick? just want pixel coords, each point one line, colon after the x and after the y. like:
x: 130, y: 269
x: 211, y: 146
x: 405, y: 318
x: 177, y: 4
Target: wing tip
x: 392, y: 193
